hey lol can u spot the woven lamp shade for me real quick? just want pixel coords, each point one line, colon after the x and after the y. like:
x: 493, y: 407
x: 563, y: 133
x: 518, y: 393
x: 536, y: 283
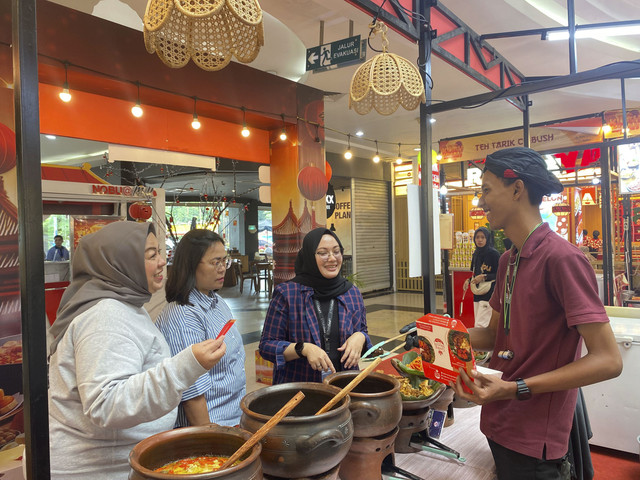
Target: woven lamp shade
x: 209, y: 32
x: 386, y: 82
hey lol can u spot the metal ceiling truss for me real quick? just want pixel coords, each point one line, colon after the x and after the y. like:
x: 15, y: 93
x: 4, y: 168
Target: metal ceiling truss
x: 401, y: 22
x: 474, y: 41
x: 616, y: 70
x: 409, y: 26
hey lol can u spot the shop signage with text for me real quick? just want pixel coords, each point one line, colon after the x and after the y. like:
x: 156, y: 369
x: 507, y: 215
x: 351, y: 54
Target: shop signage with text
x: 542, y: 138
x: 124, y: 190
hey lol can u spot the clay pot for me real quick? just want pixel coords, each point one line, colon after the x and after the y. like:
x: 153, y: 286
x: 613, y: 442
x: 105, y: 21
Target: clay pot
x: 302, y: 444
x: 165, y: 447
x: 376, y: 404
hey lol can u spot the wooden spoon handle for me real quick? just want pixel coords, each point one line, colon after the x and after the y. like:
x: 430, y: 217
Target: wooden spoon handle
x: 256, y: 437
x: 402, y: 335
x: 350, y: 386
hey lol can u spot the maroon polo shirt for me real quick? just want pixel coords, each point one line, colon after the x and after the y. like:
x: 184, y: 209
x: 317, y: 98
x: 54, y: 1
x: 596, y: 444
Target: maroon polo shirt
x: 555, y: 290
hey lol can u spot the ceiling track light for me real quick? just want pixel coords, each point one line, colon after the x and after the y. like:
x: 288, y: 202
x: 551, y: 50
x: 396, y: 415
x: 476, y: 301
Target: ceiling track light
x: 195, y: 124
x: 376, y: 157
x: 283, y: 133
x: 245, y: 131
x: 399, y: 159
x: 597, y: 32
x: 64, y: 95
x: 347, y: 154
x: 136, y: 110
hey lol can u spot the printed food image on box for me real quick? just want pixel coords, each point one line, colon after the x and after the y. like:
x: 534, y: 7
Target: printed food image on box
x: 444, y: 347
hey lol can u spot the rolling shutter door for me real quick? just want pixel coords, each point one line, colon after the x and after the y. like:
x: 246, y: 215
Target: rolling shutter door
x: 371, y: 233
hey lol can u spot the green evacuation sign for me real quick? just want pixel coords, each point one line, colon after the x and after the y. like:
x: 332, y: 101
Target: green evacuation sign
x: 334, y: 53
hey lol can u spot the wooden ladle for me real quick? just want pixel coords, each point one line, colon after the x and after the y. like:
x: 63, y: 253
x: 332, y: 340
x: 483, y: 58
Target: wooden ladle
x: 350, y: 386
x: 256, y: 437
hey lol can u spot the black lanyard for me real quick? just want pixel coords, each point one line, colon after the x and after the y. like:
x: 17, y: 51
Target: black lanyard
x: 325, y: 323
x: 510, y: 285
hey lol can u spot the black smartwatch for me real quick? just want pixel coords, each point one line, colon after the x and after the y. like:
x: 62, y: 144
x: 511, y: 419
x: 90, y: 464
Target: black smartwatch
x: 298, y: 348
x: 523, y: 392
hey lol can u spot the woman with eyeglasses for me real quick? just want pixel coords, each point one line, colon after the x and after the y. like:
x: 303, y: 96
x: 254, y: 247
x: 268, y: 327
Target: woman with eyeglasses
x: 316, y: 323
x: 195, y: 312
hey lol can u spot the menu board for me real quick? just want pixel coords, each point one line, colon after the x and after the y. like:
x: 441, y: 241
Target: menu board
x: 629, y: 168
x: 444, y: 347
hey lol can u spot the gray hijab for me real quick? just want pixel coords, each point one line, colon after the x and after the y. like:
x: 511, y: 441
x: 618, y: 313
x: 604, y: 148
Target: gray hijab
x: 107, y: 264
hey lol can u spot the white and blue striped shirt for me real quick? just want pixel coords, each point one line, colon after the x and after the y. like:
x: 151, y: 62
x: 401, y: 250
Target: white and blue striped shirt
x: 225, y: 384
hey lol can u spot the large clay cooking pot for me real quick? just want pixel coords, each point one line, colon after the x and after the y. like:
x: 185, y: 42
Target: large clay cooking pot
x: 165, y: 447
x: 302, y: 444
x: 376, y: 404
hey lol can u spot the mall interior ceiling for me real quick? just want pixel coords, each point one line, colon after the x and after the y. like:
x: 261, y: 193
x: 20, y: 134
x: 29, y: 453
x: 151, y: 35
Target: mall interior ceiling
x: 292, y: 26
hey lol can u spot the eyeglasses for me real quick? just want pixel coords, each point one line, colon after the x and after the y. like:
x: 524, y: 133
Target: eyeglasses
x: 325, y: 255
x: 220, y: 262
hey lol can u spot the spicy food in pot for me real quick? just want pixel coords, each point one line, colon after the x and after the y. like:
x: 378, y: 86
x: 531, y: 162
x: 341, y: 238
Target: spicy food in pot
x: 191, y: 465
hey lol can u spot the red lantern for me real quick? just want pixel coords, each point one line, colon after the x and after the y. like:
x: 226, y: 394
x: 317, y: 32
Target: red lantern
x: 140, y: 211
x: 7, y: 149
x: 476, y: 213
x: 312, y: 183
x: 328, y: 171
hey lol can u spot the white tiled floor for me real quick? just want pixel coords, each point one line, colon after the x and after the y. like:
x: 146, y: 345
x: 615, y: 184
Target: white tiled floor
x: 385, y: 316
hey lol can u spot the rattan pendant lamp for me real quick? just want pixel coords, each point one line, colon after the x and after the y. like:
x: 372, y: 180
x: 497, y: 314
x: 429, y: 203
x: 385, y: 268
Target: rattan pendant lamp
x: 385, y: 82
x: 209, y: 32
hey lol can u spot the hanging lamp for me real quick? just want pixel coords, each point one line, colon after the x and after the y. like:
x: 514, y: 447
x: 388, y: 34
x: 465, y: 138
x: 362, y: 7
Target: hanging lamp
x: 209, y: 32
x: 385, y: 82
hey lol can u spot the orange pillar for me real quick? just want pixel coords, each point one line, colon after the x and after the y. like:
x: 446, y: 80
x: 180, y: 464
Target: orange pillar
x: 298, y: 183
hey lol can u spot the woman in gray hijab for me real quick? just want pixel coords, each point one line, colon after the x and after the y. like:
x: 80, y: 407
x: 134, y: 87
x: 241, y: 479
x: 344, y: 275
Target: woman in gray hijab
x: 112, y: 379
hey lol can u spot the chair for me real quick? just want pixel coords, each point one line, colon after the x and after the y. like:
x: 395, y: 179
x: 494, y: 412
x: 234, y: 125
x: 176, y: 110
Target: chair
x: 264, y: 271
x: 251, y: 274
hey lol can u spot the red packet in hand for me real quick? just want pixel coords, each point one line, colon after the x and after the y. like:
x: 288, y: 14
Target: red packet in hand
x: 444, y: 348
x: 226, y: 328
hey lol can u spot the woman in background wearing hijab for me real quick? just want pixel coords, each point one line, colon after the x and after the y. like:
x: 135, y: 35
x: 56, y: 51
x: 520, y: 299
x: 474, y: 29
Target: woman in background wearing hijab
x: 112, y: 379
x: 484, y: 264
x: 317, y: 321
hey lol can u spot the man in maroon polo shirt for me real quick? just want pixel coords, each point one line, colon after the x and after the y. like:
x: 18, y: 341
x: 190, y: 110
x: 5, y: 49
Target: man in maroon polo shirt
x: 544, y: 304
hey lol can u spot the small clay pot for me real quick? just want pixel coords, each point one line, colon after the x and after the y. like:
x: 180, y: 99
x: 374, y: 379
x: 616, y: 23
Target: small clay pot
x: 376, y: 404
x: 165, y: 447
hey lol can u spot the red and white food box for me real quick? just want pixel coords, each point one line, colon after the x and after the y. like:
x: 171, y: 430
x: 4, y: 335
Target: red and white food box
x: 444, y: 348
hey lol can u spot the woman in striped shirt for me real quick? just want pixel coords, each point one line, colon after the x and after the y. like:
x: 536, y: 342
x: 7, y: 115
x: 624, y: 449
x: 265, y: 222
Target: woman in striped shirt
x: 195, y: 312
